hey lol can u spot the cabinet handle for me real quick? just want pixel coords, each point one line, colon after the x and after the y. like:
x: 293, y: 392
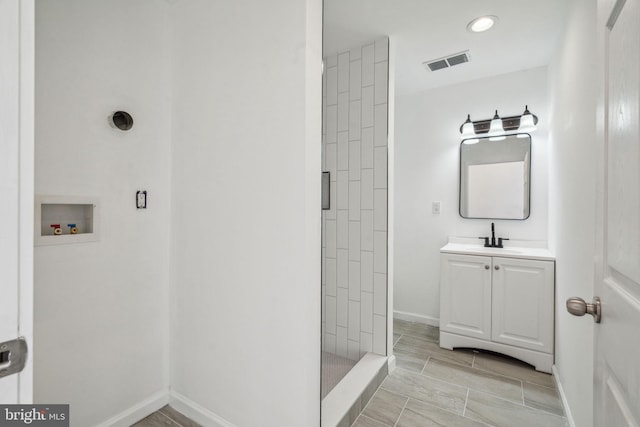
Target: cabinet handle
x: 486, y: 267
x: 497, y: 267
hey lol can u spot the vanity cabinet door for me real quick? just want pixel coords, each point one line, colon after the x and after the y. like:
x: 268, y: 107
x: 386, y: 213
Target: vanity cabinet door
x: 523, y: 303
x: 465, y: 295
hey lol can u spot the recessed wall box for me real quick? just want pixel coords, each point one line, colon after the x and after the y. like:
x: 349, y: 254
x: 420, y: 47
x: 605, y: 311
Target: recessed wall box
x: 79, y: 215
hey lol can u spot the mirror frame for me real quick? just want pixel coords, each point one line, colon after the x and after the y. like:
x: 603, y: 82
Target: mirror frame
x: 460, y: 178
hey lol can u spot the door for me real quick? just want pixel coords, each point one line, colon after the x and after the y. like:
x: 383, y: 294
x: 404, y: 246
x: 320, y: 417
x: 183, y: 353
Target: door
x: 16, y: 193
x: 523, y: 294
x: 465, y: 295
x: 617, y: 337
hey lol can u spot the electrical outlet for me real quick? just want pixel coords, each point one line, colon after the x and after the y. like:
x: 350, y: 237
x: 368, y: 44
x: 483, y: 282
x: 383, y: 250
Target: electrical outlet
x: 435, y: 208
x: 141, y: 200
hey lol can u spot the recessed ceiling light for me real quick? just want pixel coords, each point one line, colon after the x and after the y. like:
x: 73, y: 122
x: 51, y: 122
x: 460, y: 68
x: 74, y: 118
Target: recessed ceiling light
x: 482, y: 23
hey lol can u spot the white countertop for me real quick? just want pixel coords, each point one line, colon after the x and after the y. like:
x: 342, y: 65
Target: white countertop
x: 512, y: 249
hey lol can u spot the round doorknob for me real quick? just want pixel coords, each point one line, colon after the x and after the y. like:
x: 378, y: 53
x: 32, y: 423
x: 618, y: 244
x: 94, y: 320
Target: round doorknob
x: 579, y: 307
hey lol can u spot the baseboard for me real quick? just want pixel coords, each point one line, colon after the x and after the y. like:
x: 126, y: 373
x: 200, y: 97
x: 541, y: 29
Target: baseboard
x: 563, y: 397
x: 418, y: 318
x: 391, y: 364
x: 137, y: 412
x: 196, y: 412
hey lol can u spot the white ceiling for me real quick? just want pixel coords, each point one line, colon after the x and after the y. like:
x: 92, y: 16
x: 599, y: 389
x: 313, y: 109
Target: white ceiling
x: 422, y: 30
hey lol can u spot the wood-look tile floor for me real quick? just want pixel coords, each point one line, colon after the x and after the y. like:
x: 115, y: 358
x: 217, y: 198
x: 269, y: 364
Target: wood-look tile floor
x: 432, y: 386
x: 166, y: 417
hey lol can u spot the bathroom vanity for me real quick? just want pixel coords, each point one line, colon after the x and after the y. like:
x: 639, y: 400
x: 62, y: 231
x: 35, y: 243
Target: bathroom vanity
x: 498, y: 299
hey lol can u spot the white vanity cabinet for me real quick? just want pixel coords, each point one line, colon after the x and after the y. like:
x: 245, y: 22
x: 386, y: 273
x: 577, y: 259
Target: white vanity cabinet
x: 498, y: 303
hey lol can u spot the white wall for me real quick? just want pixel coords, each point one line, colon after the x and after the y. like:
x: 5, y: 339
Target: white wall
x: 572, y: 172
x: 246, y: 211
x: 101, y: 309
x: 427, y: 142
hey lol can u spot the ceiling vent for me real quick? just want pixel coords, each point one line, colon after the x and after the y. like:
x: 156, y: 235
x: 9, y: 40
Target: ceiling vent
x: 447, y: 61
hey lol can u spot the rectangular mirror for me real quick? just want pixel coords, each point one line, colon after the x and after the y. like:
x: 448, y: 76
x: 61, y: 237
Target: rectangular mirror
x: 495, y: 177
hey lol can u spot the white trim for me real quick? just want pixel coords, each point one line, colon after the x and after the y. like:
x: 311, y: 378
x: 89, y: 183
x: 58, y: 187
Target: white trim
x: 26, y: 192
x: 418, y: 318
x: 541, y: 361
x: 339, y: 401
x: 391, y: 364
x: 563, y: 397
x: 139, y: 411
x: 196, y: 412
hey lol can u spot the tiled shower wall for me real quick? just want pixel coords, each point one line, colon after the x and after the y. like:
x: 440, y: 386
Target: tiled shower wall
x: 354, y: 239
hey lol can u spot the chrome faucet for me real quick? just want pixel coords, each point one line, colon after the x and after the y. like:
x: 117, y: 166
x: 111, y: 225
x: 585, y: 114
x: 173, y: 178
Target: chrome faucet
x: 493, y: 239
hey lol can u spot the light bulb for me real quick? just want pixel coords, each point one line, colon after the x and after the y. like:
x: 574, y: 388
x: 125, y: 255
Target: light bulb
x: 496, y: 126
x: 468, y: 131
x: 526, y: 122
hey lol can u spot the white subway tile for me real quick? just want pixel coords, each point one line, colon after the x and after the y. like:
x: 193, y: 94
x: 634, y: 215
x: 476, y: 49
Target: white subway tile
x: 380, y: 294
x: 354, y: 349
x: 354, y: 240
x: 342, y: 348
x: 331, y: 212
x: 342, y: 238
x: 343, y: 112
x: 355, y: 53
x: 366, y: 271
x: 342, y: 152
x: 330, y: 323
x: 332, y: 86
x: 355, y: 80
x: 332, y: 278
x: 329, y: 343
x: 366, y: 159
x: 379, y: 334
x: 342, y: 302
x: 366, y: 312
x: 332, y: 124
x: 332, y: 60
x: 354, y: 320
x: 367, y: 65
x: 366, y: 189
x: 381, y: 82
x: 366, y: 343
x: 354, y: 120
x: 354, y: 200
x: 343, y: 72
x: 343, y: 190
x: 379, y: 125
x: 380, y: 210
x: 380, y: 251
x: 342, y: 269
x: 330, y: 248
x: 354, y: 280
x: 380, y: 170
x: 382, y: 49
x: 331, y: 160
x: 354, y: 161
x: 367, y: 106
x: 366, y: 230
x: 324, y: 118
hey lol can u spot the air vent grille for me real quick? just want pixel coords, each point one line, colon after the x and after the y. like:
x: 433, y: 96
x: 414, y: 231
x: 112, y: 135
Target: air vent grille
x: 447, y: 61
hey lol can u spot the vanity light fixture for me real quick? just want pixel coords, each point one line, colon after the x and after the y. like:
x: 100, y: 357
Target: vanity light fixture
x: 497, y: 127
x: 527, y: 123
x: 482, y: 23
